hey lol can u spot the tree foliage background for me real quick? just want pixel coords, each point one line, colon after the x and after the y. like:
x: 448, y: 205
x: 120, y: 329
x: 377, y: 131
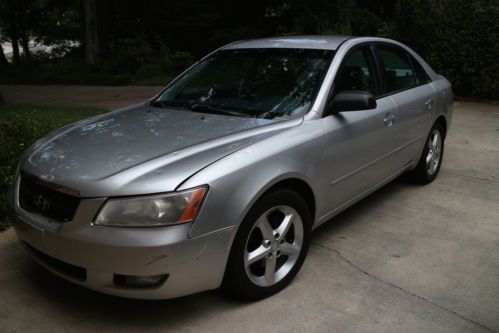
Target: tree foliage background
x: 111, y: 41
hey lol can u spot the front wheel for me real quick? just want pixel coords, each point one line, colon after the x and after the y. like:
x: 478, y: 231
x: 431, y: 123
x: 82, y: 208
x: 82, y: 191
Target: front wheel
x: 270, y: 246
x: 431, y: 159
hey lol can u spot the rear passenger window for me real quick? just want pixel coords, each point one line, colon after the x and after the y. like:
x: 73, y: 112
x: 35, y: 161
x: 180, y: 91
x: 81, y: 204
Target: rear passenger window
x: 396, y: 69
x: 421, y: 75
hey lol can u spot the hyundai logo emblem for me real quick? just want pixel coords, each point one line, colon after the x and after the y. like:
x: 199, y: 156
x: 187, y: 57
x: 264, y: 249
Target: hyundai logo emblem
x: 42, y: 203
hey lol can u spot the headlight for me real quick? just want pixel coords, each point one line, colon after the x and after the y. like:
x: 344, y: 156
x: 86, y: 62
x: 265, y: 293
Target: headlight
x: 151, y: 211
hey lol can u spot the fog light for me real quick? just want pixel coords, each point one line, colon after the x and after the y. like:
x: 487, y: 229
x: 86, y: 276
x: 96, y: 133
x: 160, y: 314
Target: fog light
x: 139, y: 281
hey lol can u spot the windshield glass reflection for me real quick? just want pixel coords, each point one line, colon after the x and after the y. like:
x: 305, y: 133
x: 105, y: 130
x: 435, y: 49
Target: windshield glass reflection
x: 260, y: 83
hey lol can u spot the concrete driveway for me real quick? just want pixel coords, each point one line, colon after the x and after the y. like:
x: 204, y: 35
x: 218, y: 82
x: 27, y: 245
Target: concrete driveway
x: 405, y: 259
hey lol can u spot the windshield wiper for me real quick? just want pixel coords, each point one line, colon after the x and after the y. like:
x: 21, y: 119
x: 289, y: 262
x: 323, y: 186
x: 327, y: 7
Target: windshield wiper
x: 157, y: 104
x: 269, y: 115
x: 166, y: 104
x: 212, y: 109
x: 197, y: 107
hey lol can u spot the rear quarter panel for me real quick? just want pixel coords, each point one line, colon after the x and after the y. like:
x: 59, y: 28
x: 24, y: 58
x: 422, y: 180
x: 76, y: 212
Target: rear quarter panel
x: 444, y: 100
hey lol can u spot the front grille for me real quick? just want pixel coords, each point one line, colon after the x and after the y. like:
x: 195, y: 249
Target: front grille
x: 75, y: 272
x: 35, y: 196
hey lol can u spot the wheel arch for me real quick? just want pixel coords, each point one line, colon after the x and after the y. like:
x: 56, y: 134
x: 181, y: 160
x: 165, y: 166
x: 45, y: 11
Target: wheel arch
x: 230, y: 281
x: 442, y: 122
x: 299, y: 186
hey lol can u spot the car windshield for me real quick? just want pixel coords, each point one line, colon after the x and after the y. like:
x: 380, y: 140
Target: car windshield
x: 260, y: 83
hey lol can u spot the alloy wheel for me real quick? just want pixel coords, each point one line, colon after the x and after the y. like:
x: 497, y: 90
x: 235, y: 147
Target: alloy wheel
x: 434, y: 152
x: 273, y: 246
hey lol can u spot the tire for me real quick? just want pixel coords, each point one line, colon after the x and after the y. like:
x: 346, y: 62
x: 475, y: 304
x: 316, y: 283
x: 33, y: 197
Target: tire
x: 431, y: 159
x: 263, y: 242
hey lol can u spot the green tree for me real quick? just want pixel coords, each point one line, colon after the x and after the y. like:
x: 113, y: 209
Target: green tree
x: 459, y: 38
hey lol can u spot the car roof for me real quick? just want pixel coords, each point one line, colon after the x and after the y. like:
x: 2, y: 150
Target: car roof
x: 291, y: 42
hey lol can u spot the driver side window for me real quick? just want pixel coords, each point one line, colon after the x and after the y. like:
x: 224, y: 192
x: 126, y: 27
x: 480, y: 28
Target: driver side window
x: 356, y: 72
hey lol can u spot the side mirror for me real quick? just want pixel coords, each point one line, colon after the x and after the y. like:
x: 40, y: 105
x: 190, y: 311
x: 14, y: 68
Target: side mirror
x: 351, y: 100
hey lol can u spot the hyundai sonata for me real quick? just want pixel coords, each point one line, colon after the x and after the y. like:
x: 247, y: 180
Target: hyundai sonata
x: 220, y: 178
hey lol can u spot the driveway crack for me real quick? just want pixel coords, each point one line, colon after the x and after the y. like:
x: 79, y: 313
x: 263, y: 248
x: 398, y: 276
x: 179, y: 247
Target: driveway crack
x: 469, y: 176
x: 424, y: 299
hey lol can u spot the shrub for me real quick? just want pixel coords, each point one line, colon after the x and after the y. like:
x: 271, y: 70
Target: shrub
x: 459, y: 39
x: 126, y: 55
x: 16, y: 134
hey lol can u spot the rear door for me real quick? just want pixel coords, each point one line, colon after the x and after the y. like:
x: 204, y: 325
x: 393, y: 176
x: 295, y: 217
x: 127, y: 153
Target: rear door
x: 406, y: 83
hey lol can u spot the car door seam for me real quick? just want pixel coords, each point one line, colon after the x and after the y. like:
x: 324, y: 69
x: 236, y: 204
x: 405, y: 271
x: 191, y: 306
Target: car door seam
x: 324, y: 218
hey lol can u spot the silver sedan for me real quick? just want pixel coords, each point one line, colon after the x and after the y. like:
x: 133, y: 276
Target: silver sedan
x: 220, y: 178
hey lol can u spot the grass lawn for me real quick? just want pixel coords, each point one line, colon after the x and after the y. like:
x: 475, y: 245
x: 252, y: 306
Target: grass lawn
x: 20, y: 126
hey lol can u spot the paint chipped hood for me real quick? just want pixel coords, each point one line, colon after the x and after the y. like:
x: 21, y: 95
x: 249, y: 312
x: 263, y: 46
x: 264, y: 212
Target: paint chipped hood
x: 141, y: 149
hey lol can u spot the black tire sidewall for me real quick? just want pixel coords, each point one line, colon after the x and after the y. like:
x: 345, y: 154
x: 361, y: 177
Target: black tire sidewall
x: 236, y: 281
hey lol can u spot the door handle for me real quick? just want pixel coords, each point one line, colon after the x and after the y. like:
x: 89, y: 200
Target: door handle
x: 389, y: 119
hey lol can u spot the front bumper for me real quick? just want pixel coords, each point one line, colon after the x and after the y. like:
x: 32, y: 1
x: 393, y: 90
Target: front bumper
x: 92, y: 255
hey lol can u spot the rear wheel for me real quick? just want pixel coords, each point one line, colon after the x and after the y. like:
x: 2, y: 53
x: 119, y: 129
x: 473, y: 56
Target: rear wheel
x: 431, y: 159
x: 270, y: 246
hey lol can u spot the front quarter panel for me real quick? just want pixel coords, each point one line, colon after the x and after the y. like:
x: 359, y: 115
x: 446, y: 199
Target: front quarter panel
x: 239, y: 179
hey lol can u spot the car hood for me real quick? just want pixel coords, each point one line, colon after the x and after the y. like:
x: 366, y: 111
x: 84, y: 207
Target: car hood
x: 141, y: 149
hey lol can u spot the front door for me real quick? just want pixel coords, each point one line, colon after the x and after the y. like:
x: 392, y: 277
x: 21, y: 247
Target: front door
x: 359, y: 143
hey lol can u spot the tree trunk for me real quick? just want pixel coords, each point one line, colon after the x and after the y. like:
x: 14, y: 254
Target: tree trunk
x: 91, y: 36
x: 105, y: 23
x: 24, y: 34
x: 3, y: 58
x: 25, y: 46
x: 14, y: 39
